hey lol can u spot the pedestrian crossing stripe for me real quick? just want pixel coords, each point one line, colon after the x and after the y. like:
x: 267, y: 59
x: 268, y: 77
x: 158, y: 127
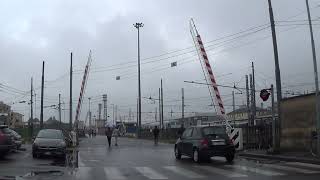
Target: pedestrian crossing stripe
x: 113, y: 173
x: 222, y: 172
x: 230, y: 171
x: 316, y: 166
x: 150, y: 173
x: 288, y: 168
x: 256, y: 170
x: 183, y: 172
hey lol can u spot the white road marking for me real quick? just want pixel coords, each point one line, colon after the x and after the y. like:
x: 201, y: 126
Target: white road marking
x: 183, y: 172
x: 26, y: 155
x: 256, y: 170
x: 223, y: 172
x: 304, y: 164
x: 150, y: 173
x: 83, y: 173
x: 113, y: 173
x: 287, y: 168
x: 80, y: 160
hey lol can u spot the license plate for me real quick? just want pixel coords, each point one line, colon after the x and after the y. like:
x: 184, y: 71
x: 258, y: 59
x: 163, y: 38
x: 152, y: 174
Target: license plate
x: 47, y: 153
x: 218, y: 143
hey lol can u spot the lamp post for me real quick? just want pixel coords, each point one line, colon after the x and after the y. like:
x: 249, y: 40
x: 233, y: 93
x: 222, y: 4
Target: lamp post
x: 138, y: 26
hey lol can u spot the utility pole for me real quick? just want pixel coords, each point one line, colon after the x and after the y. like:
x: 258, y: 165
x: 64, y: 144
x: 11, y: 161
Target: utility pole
x: 248, y: 99
x: 233, y: 108
x: 116, y: 117
x: 42, y: 88
x: 138, y: 26
x: 70, y: 105
x: 113, y: 117
x: 314, y: 57
x: 253, y: 94
x: 277, y: 74
x: 155, y: 114
x: 182, y: 106
x: 35, y: 104
x: 105, y: 107
x: 31, y: 113
x: 161, y: 105
x: 273, y: 118
x: 59, y: 106
x: 137, y: 131
x: 99, y: 111
x: 160, y: 118
x: 89, y: 114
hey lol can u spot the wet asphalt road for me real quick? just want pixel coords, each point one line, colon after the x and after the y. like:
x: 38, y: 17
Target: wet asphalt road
x: 140, y: 159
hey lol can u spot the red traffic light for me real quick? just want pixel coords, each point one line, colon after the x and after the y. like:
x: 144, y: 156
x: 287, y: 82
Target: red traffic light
x: 264, y: 94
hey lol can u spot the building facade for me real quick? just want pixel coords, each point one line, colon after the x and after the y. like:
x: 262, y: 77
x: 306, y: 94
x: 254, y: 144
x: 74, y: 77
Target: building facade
x: 241, y: 115
x: 4, y: 113
x: 16, y: 120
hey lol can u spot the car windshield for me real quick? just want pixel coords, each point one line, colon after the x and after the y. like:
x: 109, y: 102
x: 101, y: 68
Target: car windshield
x: 50, y: 134
x: 214, y: 131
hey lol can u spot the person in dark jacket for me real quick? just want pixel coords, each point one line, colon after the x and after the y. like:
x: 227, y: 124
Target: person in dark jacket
x: 156, y: 135
x: 109, y: 135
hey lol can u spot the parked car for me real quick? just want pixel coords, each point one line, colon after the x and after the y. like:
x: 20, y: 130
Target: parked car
x: 203, y: 142
x: 49, y: 142
x: 16, y: 139
x: 6, y: 140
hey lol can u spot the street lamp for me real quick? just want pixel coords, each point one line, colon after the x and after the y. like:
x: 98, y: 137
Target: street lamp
x: 138, y: 26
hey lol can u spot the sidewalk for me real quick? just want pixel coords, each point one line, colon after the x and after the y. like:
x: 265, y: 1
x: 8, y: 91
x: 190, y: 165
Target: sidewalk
x: 304, y: 157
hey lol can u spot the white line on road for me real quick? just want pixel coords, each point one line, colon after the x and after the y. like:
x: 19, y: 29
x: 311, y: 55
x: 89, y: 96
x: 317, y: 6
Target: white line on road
x: 80, y: 160
x: 256, y: 170
x: 83, y: 173
x: 222, y: 172
x: 287, y: 168
x: 304, y: 164
x: 26, y: 155
x: 150, y: 173
x: 183, y: 172
x: 113, y: 173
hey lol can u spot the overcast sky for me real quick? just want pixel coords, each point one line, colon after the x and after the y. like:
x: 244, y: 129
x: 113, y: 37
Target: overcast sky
x: 35, y: 31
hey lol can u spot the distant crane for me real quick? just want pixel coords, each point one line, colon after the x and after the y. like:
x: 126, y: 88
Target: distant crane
x: 208, y: 74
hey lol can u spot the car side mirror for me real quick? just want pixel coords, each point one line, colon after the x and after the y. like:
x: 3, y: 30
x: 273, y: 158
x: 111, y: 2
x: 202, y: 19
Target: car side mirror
x: 33, y: 138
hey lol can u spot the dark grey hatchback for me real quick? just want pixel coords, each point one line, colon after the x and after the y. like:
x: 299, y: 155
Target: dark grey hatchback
x: 203, y: 142
x: 49, y: 142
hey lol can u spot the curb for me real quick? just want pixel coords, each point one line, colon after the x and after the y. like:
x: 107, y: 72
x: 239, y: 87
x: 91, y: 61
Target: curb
x: 279, y: 157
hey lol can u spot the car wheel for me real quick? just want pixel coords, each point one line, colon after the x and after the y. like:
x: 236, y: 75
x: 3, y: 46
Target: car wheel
x: 34, y: 155
x: 230, y: 157
x: 177, y: 152
x: 196, y: 156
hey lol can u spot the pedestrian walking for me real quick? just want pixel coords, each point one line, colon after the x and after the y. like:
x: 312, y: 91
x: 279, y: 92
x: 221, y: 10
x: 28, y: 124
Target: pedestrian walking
x: 109, y: 135
x: 116, y: 135
x: 156, y: 135
x: 180, y: 131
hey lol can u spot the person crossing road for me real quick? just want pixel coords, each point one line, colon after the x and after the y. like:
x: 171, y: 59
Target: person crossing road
x: 156, y: 135
x: 109, y: 135
x: 116, y: 135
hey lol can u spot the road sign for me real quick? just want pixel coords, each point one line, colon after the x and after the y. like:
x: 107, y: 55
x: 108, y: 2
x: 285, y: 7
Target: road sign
x: 264, y: 94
